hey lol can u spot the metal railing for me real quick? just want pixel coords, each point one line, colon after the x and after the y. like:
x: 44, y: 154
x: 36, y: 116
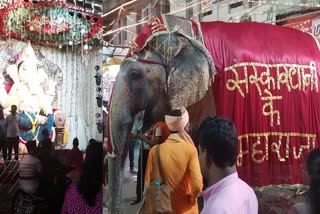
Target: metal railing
x: 9, y: 174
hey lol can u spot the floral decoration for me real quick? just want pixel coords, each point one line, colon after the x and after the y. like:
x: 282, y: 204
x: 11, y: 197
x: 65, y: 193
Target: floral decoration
x: 48, y: 22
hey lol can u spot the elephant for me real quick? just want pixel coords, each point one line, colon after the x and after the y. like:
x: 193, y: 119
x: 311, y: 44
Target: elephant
x: 176, y: 62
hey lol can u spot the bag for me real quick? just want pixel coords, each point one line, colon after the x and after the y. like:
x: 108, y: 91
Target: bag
x: 157, y: 198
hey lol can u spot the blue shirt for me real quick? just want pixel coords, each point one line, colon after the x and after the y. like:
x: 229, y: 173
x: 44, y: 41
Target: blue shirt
x: 137, y: 127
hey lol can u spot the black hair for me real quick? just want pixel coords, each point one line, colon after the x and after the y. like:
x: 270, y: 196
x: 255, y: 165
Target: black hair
x: 219, y: 137
x: 313, y: 165
x: 91, y: 177
x: 75, y: 142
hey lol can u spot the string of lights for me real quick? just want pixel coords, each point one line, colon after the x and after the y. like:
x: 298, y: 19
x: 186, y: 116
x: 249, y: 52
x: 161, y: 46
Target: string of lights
x: 142, y: 22
x: 208, y: 4
x: 307, y: 4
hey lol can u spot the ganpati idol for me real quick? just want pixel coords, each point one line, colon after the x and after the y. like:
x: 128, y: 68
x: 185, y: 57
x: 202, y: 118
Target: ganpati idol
x: 33, y: 91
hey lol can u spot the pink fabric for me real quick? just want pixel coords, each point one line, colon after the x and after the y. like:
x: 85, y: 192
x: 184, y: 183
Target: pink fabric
x: 177, y: 124
x: 232, y: 189
x: 7, y: 86
x: 74, y: 203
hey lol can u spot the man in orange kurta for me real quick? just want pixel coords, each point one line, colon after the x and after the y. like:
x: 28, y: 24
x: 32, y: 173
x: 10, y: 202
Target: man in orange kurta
x: 180, y: 165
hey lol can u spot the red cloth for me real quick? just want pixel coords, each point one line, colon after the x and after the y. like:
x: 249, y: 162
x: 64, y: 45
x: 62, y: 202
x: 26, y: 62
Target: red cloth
x: 153, y: 26
x: 232, y: 44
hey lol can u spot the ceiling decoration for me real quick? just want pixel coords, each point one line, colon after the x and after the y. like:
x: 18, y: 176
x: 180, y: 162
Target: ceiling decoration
x: 50, y: 22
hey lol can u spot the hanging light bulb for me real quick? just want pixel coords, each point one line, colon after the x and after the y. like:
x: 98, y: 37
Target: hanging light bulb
x: 71, y: 42
x: 85, y: 47
x: 60, y: 46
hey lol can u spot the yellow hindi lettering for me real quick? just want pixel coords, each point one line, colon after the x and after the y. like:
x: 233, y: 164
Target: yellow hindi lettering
x: 256, y: 151
x: 273, y: 76
x: 269, y: 106
x: 241, y: 152
x: 259, y: 149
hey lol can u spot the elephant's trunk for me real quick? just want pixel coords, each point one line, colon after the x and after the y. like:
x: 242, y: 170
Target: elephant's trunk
x: 114, y: 188
x: 120, y: 122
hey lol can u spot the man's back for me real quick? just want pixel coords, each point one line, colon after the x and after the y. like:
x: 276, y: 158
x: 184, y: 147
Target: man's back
x: 180, y: 169
x: 29, y: 171
x: 230, y: 189
x: 12, y: 122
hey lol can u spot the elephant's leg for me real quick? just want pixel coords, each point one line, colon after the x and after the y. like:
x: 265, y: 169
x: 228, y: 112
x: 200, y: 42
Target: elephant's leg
x: 114, y: 185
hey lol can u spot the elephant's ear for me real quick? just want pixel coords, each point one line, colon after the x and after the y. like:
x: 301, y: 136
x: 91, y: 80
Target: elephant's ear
x: 190, y: 67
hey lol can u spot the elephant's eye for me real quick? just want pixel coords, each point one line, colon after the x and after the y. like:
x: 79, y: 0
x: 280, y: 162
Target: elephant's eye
x: 135, y: 75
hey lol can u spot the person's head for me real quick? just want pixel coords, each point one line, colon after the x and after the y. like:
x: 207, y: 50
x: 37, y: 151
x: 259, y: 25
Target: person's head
x: 75, y: 142
x: 13, y: 109
x: 218, y: 140
x: 177, y: 120
x: 31, y: 147
x: 91, y: 178
x: 46, y: 147
x: 45, y: 133
x: 313, y: 165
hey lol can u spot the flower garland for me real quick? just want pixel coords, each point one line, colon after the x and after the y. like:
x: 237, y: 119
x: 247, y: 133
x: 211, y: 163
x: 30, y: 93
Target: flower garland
x: 48, y: 22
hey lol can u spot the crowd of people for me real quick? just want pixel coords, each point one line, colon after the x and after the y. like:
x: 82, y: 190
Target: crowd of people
x: 9, y: 133
x: 58, y: 182
x: 42, y: 174
x: 208, y: 171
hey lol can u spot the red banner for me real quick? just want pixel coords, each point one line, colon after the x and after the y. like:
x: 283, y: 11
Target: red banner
x: 268, y: 84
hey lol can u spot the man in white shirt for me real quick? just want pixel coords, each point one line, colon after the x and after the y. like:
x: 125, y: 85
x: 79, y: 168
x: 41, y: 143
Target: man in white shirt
x: 12, y: 126
x: 29, y: 169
